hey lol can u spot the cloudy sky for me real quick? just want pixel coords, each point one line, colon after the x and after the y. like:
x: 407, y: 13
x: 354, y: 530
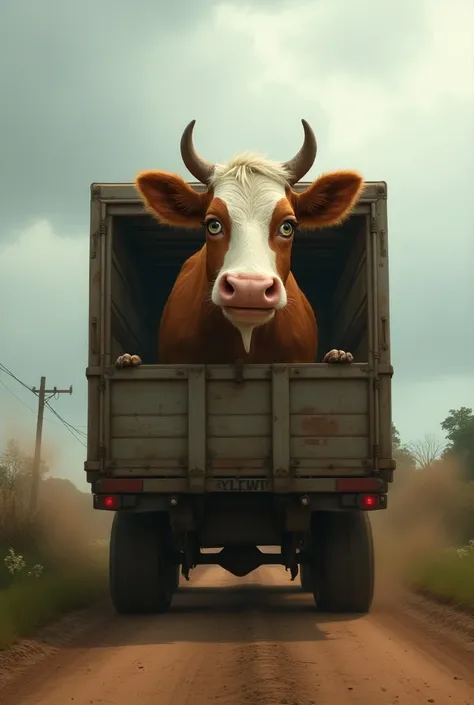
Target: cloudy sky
x: 96, y: 91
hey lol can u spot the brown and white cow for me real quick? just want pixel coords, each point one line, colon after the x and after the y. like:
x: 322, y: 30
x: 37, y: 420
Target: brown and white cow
x: 236, y: 297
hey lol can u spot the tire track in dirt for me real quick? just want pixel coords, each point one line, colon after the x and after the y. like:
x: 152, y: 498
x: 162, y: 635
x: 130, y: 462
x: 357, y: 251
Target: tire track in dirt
x: 256, y: 640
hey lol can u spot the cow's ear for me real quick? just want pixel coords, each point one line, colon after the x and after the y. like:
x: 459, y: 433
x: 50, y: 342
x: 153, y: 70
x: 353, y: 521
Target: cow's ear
x: 328, y: 200
x: 171, y: 199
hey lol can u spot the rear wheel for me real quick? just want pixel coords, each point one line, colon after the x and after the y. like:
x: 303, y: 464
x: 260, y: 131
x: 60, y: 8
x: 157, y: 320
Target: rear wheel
x: 141, y: 571
x: 343, y: 562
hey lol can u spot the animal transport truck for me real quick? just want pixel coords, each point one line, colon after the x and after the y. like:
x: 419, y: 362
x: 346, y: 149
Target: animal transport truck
x: 205, y: 462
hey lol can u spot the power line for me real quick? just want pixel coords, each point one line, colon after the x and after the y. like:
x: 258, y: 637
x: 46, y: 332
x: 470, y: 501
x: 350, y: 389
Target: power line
x: 32, y: 410
x: 72, y: 429
x: 44, y: 395
x: 63, y: 421
x: 69, y: 427
x: 9, y: 372
x: 16, y: 396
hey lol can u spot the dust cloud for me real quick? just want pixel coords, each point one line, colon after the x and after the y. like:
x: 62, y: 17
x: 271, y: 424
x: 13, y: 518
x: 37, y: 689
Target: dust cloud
x: 65, y: 527
x: 422, y: 517
x: 69, y: 528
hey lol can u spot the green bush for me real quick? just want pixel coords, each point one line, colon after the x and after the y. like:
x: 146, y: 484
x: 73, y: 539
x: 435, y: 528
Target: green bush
x: 35, y: 594
x: 449, y: 577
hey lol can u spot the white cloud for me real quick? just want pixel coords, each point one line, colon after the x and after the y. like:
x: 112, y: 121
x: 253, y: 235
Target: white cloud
x: 290, y: 51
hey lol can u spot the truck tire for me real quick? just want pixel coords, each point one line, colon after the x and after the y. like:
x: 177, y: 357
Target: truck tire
x: 306, y: 577
x: 142, y: 578
x: 344, y: 564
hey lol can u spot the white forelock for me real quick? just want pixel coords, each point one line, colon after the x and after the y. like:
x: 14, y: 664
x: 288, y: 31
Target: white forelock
x: 242, y: 166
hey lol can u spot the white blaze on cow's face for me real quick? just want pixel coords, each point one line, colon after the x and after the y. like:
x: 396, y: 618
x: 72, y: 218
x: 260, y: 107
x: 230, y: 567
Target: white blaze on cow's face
x: 248, y: 286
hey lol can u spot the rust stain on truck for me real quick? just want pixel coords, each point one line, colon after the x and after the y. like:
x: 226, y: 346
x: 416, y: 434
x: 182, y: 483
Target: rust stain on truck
x: 320, y: 426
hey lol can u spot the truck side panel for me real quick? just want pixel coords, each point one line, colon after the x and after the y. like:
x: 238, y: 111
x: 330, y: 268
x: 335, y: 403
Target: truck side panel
x: 328, y: 422
x: 381, y: 272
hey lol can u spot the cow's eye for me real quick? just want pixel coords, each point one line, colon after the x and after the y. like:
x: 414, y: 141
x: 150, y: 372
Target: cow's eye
x: 213, y: 227
x: 286, y: 229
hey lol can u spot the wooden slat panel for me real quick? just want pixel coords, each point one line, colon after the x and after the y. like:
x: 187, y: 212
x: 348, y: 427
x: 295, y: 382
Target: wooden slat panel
x: 225, y: 397
x: 341, y: 469
x: 150, y: 426
x: 232, y: 449
x: 353, y: 304
x: 354, y: 262
x: 223, y: 373
x: 145, y: 470
x: 126, y: 266
x: 323, y: 447
x: 329, y: 397
x: 163, y: 398
x: 325, y: 372
x: 219, y: 464
x: 329, y: 425
x: 154, y: 373
x: 169, y: 465
x: 311, y: 464
x: 239, y: 471
x: 122, y: 300
x: 238, y: 426
x: 122, y: 333
x: 141, y: 449
x: 177, y: 426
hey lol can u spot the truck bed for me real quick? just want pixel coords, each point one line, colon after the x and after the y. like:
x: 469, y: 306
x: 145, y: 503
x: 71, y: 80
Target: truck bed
x: 223, y: 428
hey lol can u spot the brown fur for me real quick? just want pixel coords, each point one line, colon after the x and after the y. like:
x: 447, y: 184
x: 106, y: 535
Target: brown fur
x: 192, y: 329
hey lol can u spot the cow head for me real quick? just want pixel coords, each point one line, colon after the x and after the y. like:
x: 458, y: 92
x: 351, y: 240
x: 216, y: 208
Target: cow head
x: 250, y: 214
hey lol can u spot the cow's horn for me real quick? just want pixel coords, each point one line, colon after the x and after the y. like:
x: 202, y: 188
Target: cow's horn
x: 196, y: 165
x: 304, y: 159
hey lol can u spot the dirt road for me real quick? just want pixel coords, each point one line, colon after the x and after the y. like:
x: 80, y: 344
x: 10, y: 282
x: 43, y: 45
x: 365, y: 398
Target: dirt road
x: 251, y: 641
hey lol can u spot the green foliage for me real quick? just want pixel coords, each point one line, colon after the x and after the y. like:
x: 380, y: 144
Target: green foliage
x: 459, y: 429
x: 50, y: 563
x: 27, y: 605
x: 17, y: 567
x: 33, y: 594
x: 449, y: 576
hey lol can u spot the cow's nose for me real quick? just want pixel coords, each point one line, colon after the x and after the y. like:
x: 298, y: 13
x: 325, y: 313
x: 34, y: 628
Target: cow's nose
x: 248, y: 291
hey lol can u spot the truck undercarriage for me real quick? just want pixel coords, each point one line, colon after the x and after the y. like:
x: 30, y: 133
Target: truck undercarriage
x: 332, y: 550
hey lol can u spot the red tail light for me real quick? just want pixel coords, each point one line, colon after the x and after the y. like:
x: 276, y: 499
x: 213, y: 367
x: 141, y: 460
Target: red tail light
x: 112, y: 502
x: 369, y: 501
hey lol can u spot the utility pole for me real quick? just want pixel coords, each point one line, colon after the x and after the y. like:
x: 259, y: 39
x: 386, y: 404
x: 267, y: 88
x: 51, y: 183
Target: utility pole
x: 35, y: 474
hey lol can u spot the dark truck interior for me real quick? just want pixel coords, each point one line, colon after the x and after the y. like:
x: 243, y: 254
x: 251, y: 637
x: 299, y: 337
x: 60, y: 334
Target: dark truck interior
x: 329, y: 266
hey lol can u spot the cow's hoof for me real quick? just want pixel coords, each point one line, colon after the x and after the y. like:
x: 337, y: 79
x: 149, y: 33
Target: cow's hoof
x: 338, y: 356
x: 127, y: 360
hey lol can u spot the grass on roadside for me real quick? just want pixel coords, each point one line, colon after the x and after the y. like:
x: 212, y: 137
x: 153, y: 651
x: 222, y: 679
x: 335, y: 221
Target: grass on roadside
x: 30, y: 601
x: 449, y: 577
